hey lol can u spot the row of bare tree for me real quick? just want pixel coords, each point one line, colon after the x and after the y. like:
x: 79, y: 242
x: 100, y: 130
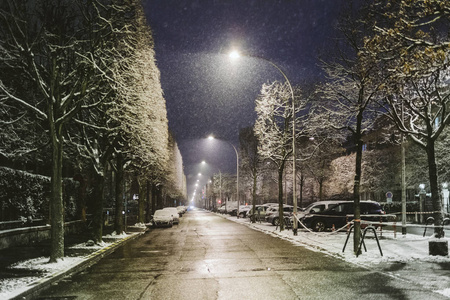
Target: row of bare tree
x: 79, y: 89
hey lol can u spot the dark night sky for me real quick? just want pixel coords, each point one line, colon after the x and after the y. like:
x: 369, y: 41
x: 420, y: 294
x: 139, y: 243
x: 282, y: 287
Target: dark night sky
x: 207, y: 93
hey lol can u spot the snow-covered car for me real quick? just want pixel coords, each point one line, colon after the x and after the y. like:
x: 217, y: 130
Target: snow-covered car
x: 175, y: 214
x: 181, y: 210
x: 162, y: 218
x: 222, y: 209
x: 243, y: 209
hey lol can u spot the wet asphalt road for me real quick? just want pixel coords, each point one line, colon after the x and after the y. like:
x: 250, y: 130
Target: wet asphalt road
x: 208, y: 257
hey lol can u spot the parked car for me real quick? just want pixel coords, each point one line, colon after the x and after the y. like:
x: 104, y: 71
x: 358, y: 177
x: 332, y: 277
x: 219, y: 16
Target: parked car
x: 315, y: 207
x: 243, y: 209
x: 181, y: 210
x: 228, y: 209
x: 222, y: 209
x: 260, y: 210
x: 273, y: 216
x: 162, y: 218
x: 340, y: 213
x: 175, y: 214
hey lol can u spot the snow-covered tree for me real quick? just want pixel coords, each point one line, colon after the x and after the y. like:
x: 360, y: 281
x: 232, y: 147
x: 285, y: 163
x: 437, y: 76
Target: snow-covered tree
x: 46, y: 45
x: 349, y: 95
x: 273, y: 128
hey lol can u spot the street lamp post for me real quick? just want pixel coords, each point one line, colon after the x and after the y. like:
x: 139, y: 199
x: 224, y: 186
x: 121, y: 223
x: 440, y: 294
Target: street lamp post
x: 235, y: 54
x: 237, y: 173
x: 220, y: 186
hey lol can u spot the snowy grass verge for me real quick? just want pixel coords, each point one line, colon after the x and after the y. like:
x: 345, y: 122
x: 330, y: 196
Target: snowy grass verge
x: 40, y: 270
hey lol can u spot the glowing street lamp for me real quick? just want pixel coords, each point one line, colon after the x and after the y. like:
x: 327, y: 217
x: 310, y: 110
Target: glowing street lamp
x: 234, y: 55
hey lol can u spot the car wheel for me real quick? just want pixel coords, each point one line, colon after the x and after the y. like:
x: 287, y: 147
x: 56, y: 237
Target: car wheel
x: 241, y: 215
x: 276, y: 221
x: 318, y: 226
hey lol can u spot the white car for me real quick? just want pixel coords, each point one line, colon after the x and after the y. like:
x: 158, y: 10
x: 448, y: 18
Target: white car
x: 175, y: 214
x: 181, y: 210
x: 162, y: 218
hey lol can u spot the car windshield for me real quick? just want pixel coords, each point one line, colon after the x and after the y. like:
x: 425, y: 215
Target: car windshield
x: 160, y: 213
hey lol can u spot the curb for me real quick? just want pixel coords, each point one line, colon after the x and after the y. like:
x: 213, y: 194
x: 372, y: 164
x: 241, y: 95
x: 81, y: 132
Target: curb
x: 40, y: 285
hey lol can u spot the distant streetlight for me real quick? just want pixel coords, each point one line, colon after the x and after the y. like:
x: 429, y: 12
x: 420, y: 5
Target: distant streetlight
x: 237, y: 172
x: 234, y: 55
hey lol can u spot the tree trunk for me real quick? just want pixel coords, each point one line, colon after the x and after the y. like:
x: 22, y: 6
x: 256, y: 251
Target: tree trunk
x: 118, y: 219
x: 321, y: 189
x: 97, y: 205
x: 57, y: 205
x: 141, y: 200
x: 302, y: 182
x: 356, y: 186
x: 81, y: 195
x: 148, y: 203
x: 254, y: 196
x: 434, y: 187
x: 154, y: 197
x: 280, y: 197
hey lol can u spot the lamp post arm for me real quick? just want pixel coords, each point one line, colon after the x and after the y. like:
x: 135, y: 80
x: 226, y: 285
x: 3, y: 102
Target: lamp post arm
x: 279, y: 70
x: 294, y: 183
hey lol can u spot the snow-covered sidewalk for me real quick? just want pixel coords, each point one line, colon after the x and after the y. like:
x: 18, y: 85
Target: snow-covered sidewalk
x: 403, y: 257
x: 44, y: 272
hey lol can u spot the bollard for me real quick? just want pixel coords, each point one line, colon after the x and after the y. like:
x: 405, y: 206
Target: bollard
x: 395, y: 229
x: 381, y: 226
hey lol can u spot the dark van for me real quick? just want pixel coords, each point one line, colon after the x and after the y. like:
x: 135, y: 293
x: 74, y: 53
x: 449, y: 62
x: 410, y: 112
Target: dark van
x: 340, y: 213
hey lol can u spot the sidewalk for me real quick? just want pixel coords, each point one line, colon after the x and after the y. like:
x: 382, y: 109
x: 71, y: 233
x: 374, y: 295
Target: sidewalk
x: 403, y: 257
x: 24, y: 270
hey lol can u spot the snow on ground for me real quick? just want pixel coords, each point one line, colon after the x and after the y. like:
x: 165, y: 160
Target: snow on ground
x: 11, y: 287
x: 410, y: 249
x: 42, y: 269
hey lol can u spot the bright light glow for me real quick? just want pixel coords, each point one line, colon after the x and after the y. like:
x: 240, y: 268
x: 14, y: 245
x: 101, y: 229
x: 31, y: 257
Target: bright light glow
x: 203, y: 162
x: 210, y: 137
x: 234, y: 54
x: 199, y: 174
x: 445, y: 185
x: 311, y: 138
x: 421, y: 186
